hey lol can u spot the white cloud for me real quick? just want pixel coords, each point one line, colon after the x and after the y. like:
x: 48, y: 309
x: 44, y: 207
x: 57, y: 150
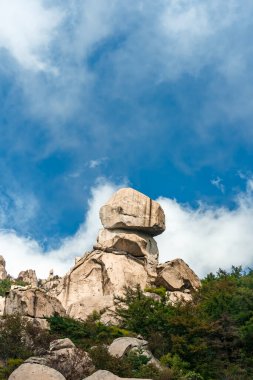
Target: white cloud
x: 23, y: 253
x: 27, y: 28
x: 209, y: 238
x: 217, y: 182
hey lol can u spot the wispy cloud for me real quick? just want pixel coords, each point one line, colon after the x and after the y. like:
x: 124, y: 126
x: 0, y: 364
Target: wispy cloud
x: 26, y: 31
x: 217, y: 182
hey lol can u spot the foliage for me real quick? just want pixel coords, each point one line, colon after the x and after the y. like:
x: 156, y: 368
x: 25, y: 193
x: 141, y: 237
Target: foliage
x: 5, y: 285
x: 209, y: 338
x: 85, y: 334
x: 161, y: 291
x: 11, y: 365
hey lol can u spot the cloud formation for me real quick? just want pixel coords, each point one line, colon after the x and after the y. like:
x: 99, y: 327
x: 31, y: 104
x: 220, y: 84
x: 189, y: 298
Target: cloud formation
x: 27, y: 28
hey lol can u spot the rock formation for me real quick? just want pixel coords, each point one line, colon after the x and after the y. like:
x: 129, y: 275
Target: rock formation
x: 129, y: 209
x: 33, y: 303
x: 29, y: 277
x: 125, y: 255
x: 3, y: 273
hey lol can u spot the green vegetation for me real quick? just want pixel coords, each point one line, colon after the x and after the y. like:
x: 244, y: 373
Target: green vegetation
x: 5, y: 285
x: 210, y: 338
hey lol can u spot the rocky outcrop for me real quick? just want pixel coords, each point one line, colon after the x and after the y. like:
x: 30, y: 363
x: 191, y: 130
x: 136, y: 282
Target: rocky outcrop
x: 3, y: 273
x: 67, y: 359
x: 96, y: 279
x: 34, y: 303
x: 125, y: 255
x: 29, y: 277
x: 176, y: 275
x: 129, y: 209
x: 106, y: 375
x: 33, y: 371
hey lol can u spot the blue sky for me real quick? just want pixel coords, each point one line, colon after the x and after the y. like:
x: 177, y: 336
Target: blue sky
x: 96, y: 95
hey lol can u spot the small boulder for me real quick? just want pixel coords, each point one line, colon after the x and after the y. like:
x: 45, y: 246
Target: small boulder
x: 121, y: 346
x: 129, y: 209
x: 29, y: 371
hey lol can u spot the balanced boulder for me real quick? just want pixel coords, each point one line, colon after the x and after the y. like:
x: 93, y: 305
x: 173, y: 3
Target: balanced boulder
x: 129, y: 209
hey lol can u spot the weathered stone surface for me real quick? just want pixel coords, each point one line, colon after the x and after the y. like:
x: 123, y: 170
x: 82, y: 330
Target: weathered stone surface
x: 29, y: 371
x: 131, y: 210
x: 59, y: 344
x: 66, y: 358
x: 121, y: 346
x: 177, y: 275
x: 33, y: 303
x: 106, y: 375
x: 29, y: 277
x: 3, y: 273
x: 2, y: 305
x: 176, y: 297
x: 134, y: 244
x: 96, y: 278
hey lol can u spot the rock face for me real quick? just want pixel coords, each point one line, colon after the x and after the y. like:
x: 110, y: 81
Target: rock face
x: 34, y: 303
x: 29, y: 277
x: 29, y: 371
x: 130, y: 210
x: 106, y: 375
x: 3, y: 273
x: 2, y: 305
x: 67, y: 359
x: 95, y: 279
x: 176, y: 275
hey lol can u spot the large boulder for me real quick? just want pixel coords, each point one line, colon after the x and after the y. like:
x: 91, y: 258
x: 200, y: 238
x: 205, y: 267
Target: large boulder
x: 97, y: 278
x: 33, y: 371
x: 3, y: 273
x: 67, y: 359
x: 129, y: 209
x: 106, y: 375
x: 29, y: 277
x: 34, y: 303
x: 177, y: 275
